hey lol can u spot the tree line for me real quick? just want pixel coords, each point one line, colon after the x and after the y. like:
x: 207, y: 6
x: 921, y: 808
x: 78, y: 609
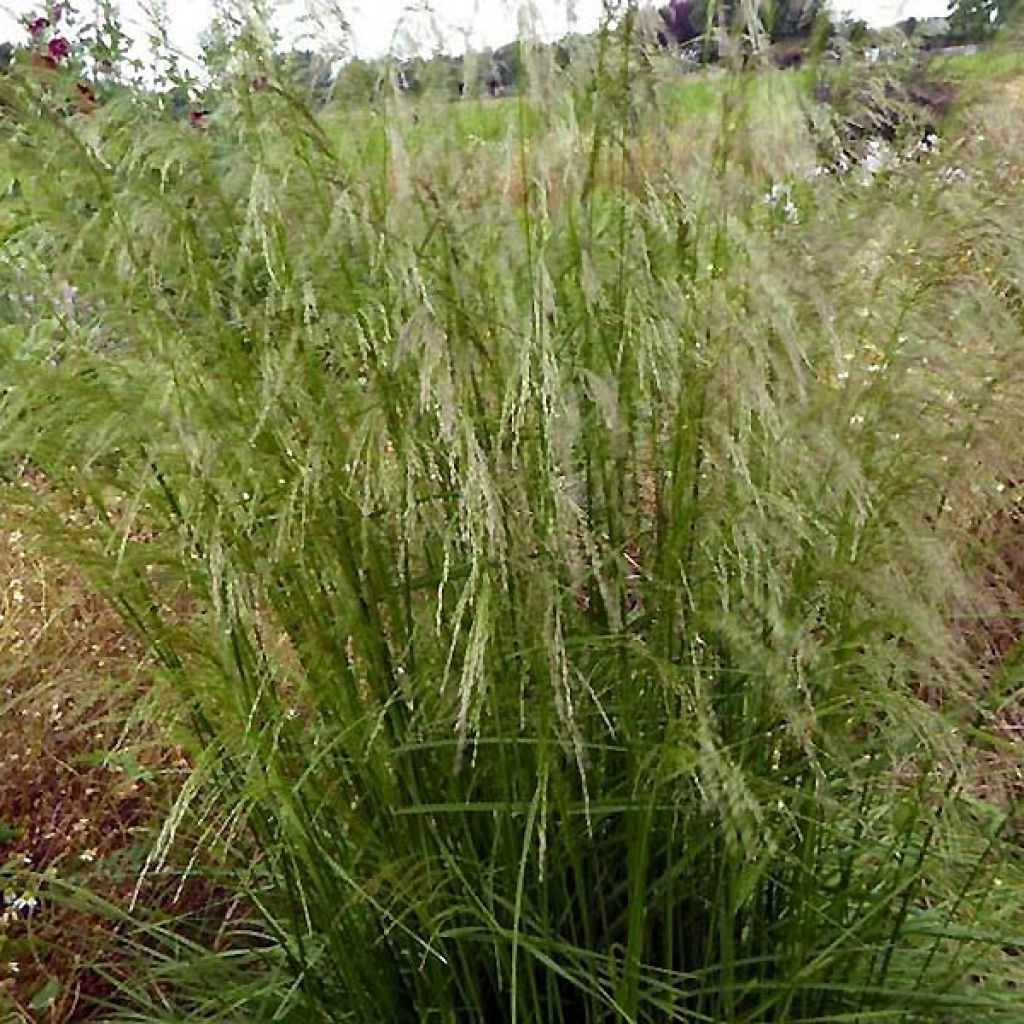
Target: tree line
x: 693, y: 30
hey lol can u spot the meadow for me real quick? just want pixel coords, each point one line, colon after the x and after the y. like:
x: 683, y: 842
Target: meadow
x: 551, y: 559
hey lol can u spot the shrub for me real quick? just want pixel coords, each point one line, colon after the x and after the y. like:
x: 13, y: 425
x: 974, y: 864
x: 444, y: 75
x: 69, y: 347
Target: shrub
x: 557, y: 567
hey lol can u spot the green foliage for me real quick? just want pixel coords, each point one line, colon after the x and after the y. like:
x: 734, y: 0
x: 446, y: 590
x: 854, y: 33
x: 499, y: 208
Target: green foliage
x: 8, y: 833
x: 972, y: 19
x: 557, y: 566
x: 976, y: 20
x: 685, y: 20
x: 790, y: 19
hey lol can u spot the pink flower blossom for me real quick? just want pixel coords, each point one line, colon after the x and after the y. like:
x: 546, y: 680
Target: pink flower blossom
x: 37, y: 26
x: 59, y: 48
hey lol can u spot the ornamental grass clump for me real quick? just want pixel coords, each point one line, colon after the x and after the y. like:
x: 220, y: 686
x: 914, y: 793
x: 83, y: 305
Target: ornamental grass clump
x: 561, y: 570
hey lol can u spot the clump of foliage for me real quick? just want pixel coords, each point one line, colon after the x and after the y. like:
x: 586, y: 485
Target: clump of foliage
x: 561, y: 570
x: 975, y: 20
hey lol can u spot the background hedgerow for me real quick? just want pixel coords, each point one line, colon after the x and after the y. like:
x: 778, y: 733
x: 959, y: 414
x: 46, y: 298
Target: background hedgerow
x: 569, y: 570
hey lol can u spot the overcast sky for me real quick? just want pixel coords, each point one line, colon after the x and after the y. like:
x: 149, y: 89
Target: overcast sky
x: 480, y: 22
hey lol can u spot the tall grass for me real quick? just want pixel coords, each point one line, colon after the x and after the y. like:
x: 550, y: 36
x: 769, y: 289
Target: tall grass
x: 557, y: 564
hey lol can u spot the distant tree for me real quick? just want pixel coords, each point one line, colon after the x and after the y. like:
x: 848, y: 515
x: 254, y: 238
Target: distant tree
x: 792, y: 19
x: 977, y: 20
x: 508, y: 68
x: 684, y: 20
x: 359, y: 81
x: 856, y: 31
x: 441, y: 75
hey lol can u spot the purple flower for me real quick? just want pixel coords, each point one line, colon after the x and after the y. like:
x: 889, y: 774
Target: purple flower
x: 197, y: 118
x: 37, y: 26
x: 59, y: 48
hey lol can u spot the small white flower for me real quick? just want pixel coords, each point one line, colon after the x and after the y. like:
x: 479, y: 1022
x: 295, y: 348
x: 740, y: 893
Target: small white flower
x: 87, y: 856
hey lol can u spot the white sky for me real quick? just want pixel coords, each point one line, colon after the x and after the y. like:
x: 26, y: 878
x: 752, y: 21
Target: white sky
x: 478, y: 22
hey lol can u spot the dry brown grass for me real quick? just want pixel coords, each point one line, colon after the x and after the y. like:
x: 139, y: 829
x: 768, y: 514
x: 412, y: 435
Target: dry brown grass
x: 71, y: 798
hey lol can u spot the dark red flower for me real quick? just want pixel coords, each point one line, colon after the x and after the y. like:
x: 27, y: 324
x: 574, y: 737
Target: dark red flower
x: 59, y: 48
x: 37, y: 26
x: 197, y: 118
